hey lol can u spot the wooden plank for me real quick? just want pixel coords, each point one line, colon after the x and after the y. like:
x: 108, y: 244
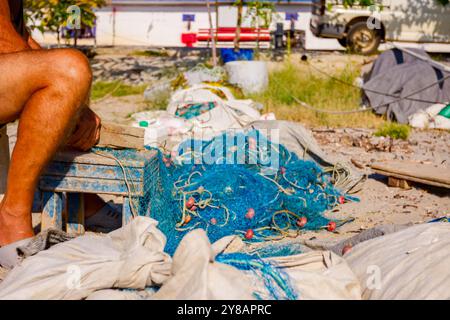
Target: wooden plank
x: 75, y: 213
x: 52, y: 211
x: 4, y: 159
x: 413, y: 179
x: 119, y: 136
x: 413, y: 171
x: 88, y: 185
x: 398, y: 183
x: 80, y: 170
x: 124, y: 130
x: 74, y: 156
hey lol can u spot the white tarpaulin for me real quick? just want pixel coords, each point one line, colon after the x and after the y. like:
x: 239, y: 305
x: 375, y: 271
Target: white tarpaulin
x: 410, y: 264
x: 196, y: 274
x: 130, y: 257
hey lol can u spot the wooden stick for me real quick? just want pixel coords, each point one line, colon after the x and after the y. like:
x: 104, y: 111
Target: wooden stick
x: 119, y: 136
x: 4, y: 159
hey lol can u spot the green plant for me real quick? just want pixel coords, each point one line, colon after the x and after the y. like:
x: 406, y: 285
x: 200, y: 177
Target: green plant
x: 55, y: 15
x: 260, y: 14
x: 149, y: 53
x: 101, y: 89
x: 294, y: 79
x: 393, y: 130
x: 366, y: 3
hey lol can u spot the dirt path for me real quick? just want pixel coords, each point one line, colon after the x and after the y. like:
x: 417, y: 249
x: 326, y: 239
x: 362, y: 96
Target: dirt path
x: 380, y: 204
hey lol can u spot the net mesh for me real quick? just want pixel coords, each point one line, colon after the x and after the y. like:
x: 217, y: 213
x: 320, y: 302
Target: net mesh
x: 237, y: 183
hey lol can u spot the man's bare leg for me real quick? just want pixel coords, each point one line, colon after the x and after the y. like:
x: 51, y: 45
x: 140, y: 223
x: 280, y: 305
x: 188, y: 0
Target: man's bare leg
x: 46, y: 90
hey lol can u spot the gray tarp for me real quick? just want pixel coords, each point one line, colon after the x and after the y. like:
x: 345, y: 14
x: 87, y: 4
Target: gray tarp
x: 398, y: 73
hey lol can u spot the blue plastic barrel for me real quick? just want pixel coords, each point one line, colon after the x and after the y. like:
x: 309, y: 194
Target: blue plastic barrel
x: 228, y: 54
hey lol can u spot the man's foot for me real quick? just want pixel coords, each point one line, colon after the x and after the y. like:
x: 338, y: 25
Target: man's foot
x: 14, y: 227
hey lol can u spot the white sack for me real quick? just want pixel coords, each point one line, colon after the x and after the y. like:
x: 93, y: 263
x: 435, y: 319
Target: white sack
x: 320, y: 275
x: 430, y: 118
x: 131, y: 257
x: 196, y: 276
x: 169, y: 130
x: 251, y: 76
x: 410, y: 264
x: 315, y: 275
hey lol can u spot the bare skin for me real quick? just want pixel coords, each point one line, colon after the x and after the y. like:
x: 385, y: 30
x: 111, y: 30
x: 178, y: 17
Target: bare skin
x: 47, y: 91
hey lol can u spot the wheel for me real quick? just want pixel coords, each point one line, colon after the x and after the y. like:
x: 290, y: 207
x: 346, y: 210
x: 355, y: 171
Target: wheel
x: 343, y: 42
x: 363, y: 40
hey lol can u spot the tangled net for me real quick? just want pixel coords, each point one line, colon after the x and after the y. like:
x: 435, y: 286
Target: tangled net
x: 240, y: 184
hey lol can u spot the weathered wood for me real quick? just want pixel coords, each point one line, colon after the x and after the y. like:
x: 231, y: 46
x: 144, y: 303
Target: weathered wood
x: 52, y: 211
x: 88, y: 185
x: 75, y: 213
x: 398, y: 183
x: 80, y: 170
x: 75, y: 173
x: 4, y: 159
x: 119, y: 136
x: 411, y: 171
x: 74, y: 156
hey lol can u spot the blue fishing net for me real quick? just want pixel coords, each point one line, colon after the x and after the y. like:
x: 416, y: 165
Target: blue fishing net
x: 238, y: 183
x: 276, y: 282
x: 192, y: 110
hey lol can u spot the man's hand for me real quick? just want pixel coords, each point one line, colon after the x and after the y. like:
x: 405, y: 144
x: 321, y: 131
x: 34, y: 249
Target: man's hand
x: 87, y: 132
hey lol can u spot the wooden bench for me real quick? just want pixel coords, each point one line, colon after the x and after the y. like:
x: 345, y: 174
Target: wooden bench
x: 72, y: 174
x: 402, y: 173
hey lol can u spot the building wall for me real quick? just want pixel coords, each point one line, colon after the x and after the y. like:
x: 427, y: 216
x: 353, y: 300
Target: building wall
x: 163, y: 25
x: 149, y: 23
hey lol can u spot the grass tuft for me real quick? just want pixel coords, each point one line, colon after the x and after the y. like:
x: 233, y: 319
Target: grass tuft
x: 100, y: 89
x: 319, y: 91
x: 393, y: 130
x: 149, y: 53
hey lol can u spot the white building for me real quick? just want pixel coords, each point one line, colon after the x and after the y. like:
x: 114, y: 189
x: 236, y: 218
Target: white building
x: 161, y: 23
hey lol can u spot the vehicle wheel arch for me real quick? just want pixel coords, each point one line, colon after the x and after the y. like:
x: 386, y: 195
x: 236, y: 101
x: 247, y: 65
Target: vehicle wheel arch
x: 364, y: 19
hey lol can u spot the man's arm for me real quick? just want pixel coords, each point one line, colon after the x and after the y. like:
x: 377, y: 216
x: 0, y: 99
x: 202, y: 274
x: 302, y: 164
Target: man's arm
x: 10, y: 40
x: 31, y: 42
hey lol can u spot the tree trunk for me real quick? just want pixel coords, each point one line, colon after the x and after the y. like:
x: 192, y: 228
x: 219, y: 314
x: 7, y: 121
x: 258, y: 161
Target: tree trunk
x: 75, y: 41
x: 217, y: 21
x: 211, y: 32
x: 237, y: 36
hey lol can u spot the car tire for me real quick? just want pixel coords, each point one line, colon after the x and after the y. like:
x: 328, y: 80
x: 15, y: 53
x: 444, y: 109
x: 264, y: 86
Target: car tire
x: 343, y: 42
x: 361, y: 39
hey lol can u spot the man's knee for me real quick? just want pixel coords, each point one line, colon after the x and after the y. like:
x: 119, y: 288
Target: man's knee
x: 72, y: 66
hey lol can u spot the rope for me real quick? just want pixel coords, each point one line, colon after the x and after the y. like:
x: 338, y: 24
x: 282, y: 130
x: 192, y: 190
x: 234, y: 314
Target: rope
x: 308, y: 106
x: 383, y: 93
x: 127, y: 183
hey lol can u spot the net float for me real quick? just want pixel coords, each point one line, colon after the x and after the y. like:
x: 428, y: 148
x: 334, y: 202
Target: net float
x: 331, y: 226
x: 250, y: 214
x: 249, y: 234
x: 190, y: 203
x: 302, y: 222
x: 347, y: 248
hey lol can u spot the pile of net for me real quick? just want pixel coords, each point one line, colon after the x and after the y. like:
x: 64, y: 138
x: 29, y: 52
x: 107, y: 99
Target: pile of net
x: 240, y: 184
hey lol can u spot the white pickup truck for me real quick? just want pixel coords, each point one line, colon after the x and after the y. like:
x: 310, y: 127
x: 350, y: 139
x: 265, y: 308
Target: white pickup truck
x: 362, y: 29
